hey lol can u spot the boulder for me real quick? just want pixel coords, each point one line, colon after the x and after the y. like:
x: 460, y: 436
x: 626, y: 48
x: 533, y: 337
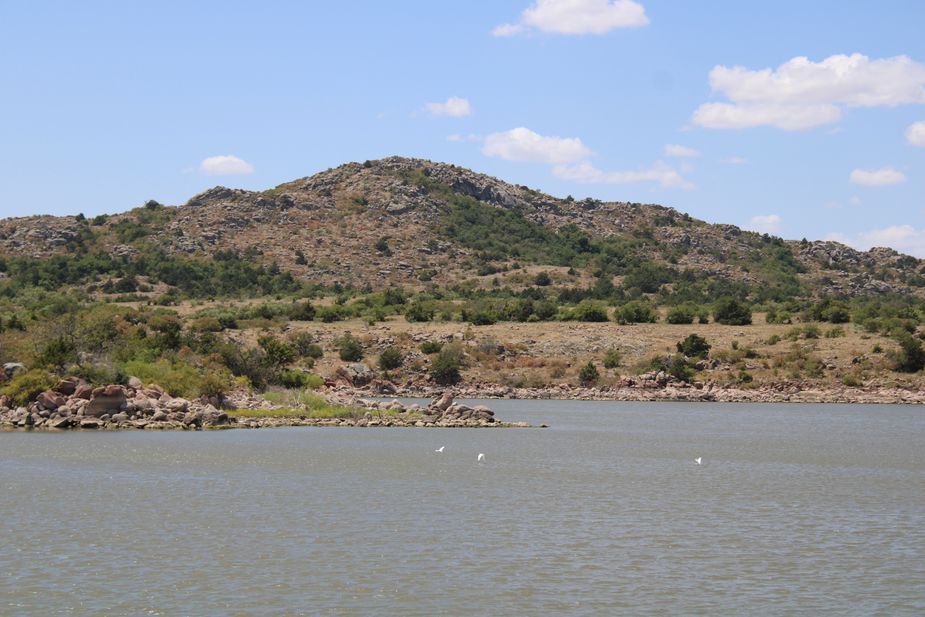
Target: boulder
x: 11, y: 368
x: 84, y: 392
x: 135, y: 384
x: 356, y: 374
x: 50, y: 400
x: 178, y: 405
x: 67, y: 386
x: 443, y: 403
x: 107, y: 400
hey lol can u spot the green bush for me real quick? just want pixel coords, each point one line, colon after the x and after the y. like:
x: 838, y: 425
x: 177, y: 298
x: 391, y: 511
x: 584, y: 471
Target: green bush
x: 25, y: 386
x: 305, y: 347
x: 911, y: 356
x: 636, y: 312
x: 277, y: 352
x: 349, y: 348
x: 731, y: 312
x: 694, y: 346
x: 542, y: 279
x: 679, y: 368
x: 58, y: 353
x: 590, y: 312
x: 177, y: 378
x: 446, y: 365
x: 612, y: 359
x: 293, y: 379
x: 391, y: 358
x: 588, y: 374
x: 431, y: 347
x: 682, y: 314
x: 419, y: 312
x: 302, y: 311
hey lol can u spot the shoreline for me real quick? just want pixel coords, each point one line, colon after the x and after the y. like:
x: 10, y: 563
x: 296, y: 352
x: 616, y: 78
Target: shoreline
x: 72, y: 405
x: 654, y: 391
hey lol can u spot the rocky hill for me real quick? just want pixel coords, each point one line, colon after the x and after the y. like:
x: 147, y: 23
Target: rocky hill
x: 410, y: 222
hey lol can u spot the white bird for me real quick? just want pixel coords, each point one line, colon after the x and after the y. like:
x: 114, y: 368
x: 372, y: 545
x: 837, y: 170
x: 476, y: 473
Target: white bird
x: 481, y: 458
x: 697, y: 460
x: 440, y: 449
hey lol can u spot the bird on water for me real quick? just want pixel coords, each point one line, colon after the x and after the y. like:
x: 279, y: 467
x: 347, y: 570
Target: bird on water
x: 480, y: 458
x: 440, y: 449
x: 697, y: 460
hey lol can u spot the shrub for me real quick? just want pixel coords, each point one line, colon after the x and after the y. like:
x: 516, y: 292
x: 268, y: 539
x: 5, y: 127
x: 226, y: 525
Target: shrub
x: 177, y: 378
x: 445, y: 366
x: 612, y: 359
x: 24, y: 387
x: 293, y: 379
x: 419, y: 312
x: 349, y: 348
x: 302, y: 311
x: 588, y: 374
x: 679, y: 368
x: 835, y: 332
x: 911, y: 356
x: 206, y: 324
x: 277, y: 352
x: 731, y: 312
x: 304, y: 345
x: 542, y: 279
x: 391, y: 358
x: 431, y: 347
x: 681, y: 315
x: 214, y: 384
x: 636, y: 312
x: 589, y: 311
x: 481, y: 318
x: 694, y: 346
x: 58, y: 352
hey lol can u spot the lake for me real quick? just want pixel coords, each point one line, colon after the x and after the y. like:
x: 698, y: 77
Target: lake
x: 795, y: 509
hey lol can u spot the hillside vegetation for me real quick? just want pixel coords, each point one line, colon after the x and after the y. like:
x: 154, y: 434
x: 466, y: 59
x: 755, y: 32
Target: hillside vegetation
x: 251, y: 289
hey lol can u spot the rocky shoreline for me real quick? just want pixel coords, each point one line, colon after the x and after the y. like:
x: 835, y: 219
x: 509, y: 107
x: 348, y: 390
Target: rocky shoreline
x: 72, y: 404
x: 653, y: 387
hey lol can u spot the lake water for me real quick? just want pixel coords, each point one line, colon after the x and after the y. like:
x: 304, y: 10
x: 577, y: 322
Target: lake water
x: 796, y: 509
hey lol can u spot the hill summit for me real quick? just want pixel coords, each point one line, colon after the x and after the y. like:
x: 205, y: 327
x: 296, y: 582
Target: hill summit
x: 411, y: 222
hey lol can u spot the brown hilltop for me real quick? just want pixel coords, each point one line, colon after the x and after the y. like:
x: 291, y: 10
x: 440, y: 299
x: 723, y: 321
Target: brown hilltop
x: 337, y: 218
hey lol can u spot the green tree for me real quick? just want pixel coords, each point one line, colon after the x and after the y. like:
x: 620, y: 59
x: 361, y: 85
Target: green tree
x: 694, y: 346
x: 612, y: 359
x: 446, y: 365
x: 349, y: 348
x: 277, y: 352
x: 391, y: 358
x: 730, y: 312
x: 588, y: 374
x: 911, y: 356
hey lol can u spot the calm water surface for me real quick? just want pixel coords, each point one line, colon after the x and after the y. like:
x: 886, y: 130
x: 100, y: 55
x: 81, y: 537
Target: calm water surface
x: 795, y: 510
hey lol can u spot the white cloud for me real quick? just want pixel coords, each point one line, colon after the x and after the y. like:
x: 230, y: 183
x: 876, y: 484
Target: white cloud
x: 854, y: 200
x: 454, y: 107
x: 903, y: 238
x: 680, y: 151
x: 802, y: 94
x: 522, y: 144
x: 586, y: 172
x: 876, y: 177
x: 766, y: 223
x: 915, y: 134
x: 577, y: 17
x: 225, y: 165
x: 735, y: 160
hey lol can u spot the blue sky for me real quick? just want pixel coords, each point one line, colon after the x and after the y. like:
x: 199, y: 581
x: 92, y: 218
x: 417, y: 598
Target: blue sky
x: 107, y: 104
